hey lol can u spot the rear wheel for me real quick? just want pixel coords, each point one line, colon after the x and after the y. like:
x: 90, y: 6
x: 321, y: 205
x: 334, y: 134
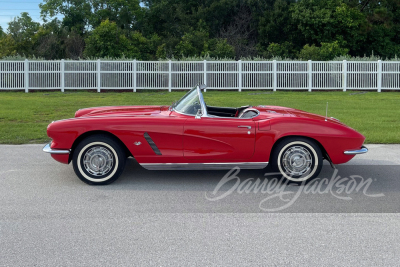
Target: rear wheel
x: 297, y: 159
x: 98, y: 160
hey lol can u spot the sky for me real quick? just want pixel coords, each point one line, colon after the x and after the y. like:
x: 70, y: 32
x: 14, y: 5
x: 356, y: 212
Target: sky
x: 13, y: 8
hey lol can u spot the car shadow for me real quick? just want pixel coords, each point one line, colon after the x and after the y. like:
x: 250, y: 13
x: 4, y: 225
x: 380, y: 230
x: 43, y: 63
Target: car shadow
x: 179, y: 191
x: 135, y: 177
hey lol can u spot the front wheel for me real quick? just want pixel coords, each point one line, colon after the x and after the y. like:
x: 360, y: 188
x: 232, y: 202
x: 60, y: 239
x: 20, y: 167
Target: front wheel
x: 297, y: 159
x: 98, y: 160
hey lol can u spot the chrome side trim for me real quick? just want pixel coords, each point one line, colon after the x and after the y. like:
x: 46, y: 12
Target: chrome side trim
x: 151, y: 143
x: 358, y: 151
x: 48, y: 149
x: 204, y: 166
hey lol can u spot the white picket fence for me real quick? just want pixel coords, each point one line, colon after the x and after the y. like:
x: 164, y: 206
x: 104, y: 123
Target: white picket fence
x: 171, y: 75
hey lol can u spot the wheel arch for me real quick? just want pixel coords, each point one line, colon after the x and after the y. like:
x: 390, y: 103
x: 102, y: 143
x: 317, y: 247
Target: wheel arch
x: 96, y: 132
x: 283, y: 138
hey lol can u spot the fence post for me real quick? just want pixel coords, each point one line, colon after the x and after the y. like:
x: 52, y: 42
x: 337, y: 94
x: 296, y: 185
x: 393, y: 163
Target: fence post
x: 169, y: 75
x: 275, y: 74
x: 344, y: 71
x: 98, y: 76
x: 62, y: 68
x: 134, y: 75
x: 26, y: 69
x: 309, y: 75
x: 205, y: 74
x: 240, y: 74
x: 379, y: 76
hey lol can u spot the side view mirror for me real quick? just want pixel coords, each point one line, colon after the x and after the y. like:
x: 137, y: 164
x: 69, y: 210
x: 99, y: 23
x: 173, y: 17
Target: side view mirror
x: 198, y: 115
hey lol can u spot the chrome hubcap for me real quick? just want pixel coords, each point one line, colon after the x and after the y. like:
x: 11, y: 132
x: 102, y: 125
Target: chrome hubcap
x: 98, y: 161
x: 296, y: 161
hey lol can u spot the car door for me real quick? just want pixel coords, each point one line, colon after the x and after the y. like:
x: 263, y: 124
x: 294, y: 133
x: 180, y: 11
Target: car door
x: 218, y: 139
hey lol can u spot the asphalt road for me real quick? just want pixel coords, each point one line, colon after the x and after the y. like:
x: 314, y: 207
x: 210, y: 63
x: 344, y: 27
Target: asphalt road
x: 48, y: 217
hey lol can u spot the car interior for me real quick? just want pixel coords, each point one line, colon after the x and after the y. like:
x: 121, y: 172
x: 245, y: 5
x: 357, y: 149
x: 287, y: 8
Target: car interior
x: 241, y: 112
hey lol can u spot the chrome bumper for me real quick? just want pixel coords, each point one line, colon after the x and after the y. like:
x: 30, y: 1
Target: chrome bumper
x: 48, y: 149
x: 358, y: 151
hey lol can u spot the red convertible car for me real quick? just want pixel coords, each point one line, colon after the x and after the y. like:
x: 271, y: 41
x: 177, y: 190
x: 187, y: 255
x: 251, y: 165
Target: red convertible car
x: 191, y: 135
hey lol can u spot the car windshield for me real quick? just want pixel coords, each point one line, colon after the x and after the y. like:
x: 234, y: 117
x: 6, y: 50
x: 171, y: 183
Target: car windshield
x: 189, y: 103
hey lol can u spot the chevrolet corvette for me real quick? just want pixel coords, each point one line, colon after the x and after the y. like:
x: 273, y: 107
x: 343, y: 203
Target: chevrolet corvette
x: 190, y: 135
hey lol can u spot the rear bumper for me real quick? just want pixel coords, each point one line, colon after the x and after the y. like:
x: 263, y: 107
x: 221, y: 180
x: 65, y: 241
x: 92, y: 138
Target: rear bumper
x: 48, y: 149
x: 358, y: 151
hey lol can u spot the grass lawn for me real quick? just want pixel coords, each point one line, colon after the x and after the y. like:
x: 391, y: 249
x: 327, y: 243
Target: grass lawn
x: 24, y: 117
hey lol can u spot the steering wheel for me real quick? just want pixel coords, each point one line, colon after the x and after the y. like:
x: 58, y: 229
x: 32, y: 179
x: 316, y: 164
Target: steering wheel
x: 196, y: 107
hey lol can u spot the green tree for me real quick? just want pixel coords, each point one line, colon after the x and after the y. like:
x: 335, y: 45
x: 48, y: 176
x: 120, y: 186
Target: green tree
x: 82, y: 15
x: 233, y: 20
x: 198, y: 43
x: 330, y: 20
x: 107, y: 40
x: 76, y: 13
x: 310, y: 52
x: 74, y: 46
x: 7, y: 46
x: 277, y: 26
x: 193, y: 43
x: 143, y: 48
x: 383, y: 34
x: 219, y: 48
x: 125, y: 13
x: 50, y: 40
x: 23, y: 29
x: 151, y: 29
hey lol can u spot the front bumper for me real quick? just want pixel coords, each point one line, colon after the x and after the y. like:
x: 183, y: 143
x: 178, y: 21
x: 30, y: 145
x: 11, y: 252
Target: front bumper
x: 48, y: 149
x: 358, y: 151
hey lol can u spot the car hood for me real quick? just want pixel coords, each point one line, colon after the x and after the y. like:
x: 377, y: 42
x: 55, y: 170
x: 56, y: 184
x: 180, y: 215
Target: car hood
x: 119, y: 110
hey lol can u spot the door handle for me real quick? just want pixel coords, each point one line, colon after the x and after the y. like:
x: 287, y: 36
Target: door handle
x: 244, y: 126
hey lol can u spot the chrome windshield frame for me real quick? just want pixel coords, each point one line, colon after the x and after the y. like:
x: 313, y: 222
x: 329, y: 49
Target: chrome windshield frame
x: 204, y: 106
x: 202, y: 103
x: 201, y: 99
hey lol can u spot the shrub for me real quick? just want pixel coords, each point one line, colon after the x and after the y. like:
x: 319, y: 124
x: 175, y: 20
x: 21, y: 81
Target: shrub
x: 327, y: 51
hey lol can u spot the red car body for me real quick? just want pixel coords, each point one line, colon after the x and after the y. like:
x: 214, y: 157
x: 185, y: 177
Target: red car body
x: 185, y: 139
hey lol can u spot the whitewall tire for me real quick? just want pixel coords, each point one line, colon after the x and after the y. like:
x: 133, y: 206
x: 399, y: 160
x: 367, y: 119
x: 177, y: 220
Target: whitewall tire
x: 98, y: 160
x: 298, y: 159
